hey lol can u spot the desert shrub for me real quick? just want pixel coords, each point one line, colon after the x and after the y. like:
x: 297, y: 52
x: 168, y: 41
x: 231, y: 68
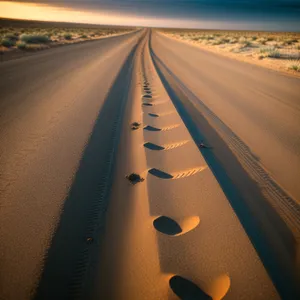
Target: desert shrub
x: 270, y: 52
x: 233, y: 41
x: 34, y: 39
x: 68, y: 36
x: 291, y: 41
x: 243, y: 41
x: 21, y: 46
x: 12, y: 37
x: 262, y: 41
x: 266, y: 50
x: 217, y: 42
x: 7, y: 43
x: 274, y: 54
x: 254, y: 38
x: 225, y: 40
x: 295, y: 66
x: 84, y: 36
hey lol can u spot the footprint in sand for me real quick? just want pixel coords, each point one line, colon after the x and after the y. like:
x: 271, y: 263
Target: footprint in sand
x: 153, y: 115
x: 147, y: 96
x: 186, y: 289
x: 173, y: 227
x: 151, y: 128
x: 167, y: 226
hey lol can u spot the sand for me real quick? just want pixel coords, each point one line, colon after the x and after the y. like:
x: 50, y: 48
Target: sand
x: 176, y: 228
x: 173, y: 234
x: 250, y: 54
x: 45, y: 127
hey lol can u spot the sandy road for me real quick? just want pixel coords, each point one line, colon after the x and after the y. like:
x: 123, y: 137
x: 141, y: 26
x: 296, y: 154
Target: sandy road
x: 249, y: 116
x: 159, y: 261
x: 61, y: 135
x: 260, y: 106
x: 50, y: 104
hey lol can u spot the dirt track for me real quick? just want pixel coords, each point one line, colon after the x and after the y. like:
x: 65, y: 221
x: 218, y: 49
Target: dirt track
x: 66, y: 146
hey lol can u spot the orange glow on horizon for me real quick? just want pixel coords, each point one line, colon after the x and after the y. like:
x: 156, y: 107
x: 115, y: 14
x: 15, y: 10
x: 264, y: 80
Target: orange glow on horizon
x: 44, y: 12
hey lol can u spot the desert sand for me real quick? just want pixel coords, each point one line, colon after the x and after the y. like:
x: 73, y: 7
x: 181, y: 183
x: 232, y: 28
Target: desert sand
x: 118, y: 183
x: 210, y: 248
x: 277, y: 51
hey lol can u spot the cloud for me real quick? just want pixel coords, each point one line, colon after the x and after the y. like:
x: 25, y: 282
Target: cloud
x: 225, y: 14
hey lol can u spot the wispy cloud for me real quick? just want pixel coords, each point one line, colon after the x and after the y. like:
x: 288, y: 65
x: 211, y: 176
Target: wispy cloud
x: 227, y: 14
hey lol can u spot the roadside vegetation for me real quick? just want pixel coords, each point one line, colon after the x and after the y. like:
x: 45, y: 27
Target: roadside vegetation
x: 277, y: 50
x: 30, y: 38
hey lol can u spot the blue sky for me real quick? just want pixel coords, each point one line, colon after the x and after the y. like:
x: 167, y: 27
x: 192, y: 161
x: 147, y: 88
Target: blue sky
x: 221, y: 14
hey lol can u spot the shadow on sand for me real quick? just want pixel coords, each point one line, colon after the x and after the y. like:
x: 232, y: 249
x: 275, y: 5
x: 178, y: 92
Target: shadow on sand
x: 152, y: 146
x: 167, y: 225
x: 151, y: 128
x: 160, y: 174
x: 187, y: 290
x: 270, y: 235
x: 82, y: 220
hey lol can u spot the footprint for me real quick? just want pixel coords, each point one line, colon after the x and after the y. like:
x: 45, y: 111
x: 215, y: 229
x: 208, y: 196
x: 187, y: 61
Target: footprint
x: 152, y: 146
x: 153, y: 115
x: 167, y: 226
x: 173, y: 227
x: 147, y: 104
x: 176, y: 175
x: 147, y: 96
x: 186, y: 289
x: 160, y: 174
x: 151, y: 128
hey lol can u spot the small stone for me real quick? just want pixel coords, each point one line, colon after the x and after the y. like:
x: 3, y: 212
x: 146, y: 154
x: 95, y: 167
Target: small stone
x: 134, y: 178
x: 89, y: 240
x: 135, y: 125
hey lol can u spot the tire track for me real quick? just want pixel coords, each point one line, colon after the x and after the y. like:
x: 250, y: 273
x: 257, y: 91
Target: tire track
x: 269, y: 215
x: 82, y: 221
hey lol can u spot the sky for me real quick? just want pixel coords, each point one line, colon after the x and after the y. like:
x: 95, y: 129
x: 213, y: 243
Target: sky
x: 277, y: 15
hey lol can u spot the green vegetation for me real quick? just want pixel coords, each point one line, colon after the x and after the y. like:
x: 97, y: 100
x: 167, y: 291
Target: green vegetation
x: 68, y: 36
x: 34, y: 39
x: 273, y: 47
x: 294, y: 66
x: 7, y: 43
x: 21, y: 46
